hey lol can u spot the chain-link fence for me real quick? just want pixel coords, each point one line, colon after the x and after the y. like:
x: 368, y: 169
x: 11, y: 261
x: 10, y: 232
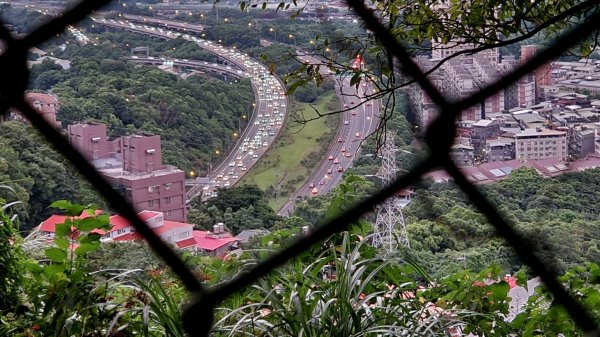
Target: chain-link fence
x: 439, y: 137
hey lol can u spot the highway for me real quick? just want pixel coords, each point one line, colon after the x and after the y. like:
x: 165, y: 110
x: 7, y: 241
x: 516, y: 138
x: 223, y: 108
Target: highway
x: 168, y: 24
x: 361, y: 119
x: 216, y: 68
x: 271, y: 110
x: 267, y: 120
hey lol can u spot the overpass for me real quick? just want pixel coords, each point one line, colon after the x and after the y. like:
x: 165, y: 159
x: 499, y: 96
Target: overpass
x: 184, y: 27
x: 266, y: 122
x: 214, y: 68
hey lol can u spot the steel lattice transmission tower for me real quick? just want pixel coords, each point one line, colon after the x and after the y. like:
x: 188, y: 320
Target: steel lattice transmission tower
x: 390, y: 229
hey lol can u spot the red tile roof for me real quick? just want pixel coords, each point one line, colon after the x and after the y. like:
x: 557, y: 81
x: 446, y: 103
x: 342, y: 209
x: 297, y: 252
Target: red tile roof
x: 118, y: 222
x: 129, y: 237
x: 169, y: 225
x: 187, y: 243
x: 49, y: 225
x: 205, y: 242
x: 146, y: 215
x: 40, y: 97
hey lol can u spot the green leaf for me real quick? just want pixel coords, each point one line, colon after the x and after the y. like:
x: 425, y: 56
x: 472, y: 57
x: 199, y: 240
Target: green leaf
x: 61, y: 204
x: 56, y: 254
x: 89, y: 224
x: 355, y: 80
x: 68, y: 207
x: 33, y: 267
x: 54, y: 269
x: 89, y: 238
x: 61, y: 242
x: 87, y: 247
x: 63, y: 229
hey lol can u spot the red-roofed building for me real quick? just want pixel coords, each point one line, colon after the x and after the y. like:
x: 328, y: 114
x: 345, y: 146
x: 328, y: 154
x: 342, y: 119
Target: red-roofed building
x: 181, y: 234
x: 47, y: 228
x: 169, y: 231
x: 133, y: 165
x: 215, y: 244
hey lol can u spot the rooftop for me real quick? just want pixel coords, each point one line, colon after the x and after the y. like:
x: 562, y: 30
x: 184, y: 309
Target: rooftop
x: 207, y: 241
x: 539, y: 132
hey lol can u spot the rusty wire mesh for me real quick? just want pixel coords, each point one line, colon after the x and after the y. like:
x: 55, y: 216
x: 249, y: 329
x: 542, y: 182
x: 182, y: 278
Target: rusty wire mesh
x: 198, y: 315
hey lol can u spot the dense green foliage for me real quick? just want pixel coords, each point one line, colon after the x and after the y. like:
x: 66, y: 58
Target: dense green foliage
x: 36, y: 174
x: 194, y: 117
x: 239, y: 208
x: 554, y: 214
x: 10, y: 275
x: 341, y: 287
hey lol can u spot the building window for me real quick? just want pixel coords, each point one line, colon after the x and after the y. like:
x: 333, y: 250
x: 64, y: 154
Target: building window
x: 183, y: 235
x: 168, y: 213
x: 168, y: 200
x: 150, y: 203
x: 167, y: 186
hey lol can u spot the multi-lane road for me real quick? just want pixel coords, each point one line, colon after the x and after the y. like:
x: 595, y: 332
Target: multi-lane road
x: 270, y: 106
x: 271, y: 109
x: 359, y: 120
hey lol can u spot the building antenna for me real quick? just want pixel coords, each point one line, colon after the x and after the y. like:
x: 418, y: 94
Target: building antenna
x: 389, y: 229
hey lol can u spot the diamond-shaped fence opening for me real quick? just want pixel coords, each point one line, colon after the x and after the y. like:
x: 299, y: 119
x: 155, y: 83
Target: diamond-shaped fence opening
x: 439, y: 137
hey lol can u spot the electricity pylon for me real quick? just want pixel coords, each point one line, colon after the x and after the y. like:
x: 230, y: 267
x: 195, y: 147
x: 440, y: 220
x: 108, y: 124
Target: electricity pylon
x: 390, y: 229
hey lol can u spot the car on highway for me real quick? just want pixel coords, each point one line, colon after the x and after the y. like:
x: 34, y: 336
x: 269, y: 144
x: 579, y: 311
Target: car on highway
x: 353, y: 112
x: 345, y: 122
x: 322, y: 182
x: 311, y: 185
x: 340, y: 140
x: 314, y: 191
x: 336, y: 161
x: 330, y: 158
x: 227, y: 184
x: 348, y: 154
x: 357, y: 134
x: 329, y: 171
x: 340, y: 169
x: 343, y: 149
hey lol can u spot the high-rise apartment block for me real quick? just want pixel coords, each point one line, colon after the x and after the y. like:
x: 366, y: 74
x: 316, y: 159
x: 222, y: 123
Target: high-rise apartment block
x: 133, y: 164
x: 465, y: 74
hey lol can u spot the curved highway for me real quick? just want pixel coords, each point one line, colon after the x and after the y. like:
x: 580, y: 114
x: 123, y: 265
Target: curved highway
x: 265, y: 123
x: 359, y: 121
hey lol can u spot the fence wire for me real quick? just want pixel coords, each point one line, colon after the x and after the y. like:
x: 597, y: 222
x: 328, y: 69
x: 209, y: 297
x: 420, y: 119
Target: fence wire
x: 198, y: 316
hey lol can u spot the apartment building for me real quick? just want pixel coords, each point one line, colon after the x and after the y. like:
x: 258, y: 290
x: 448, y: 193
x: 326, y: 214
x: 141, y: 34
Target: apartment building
x: 133, y: 164
x: 539, y: 143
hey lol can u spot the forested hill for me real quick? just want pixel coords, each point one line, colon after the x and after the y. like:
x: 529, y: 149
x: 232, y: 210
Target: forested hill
x: 558, y: 215
x: 195, y: 117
